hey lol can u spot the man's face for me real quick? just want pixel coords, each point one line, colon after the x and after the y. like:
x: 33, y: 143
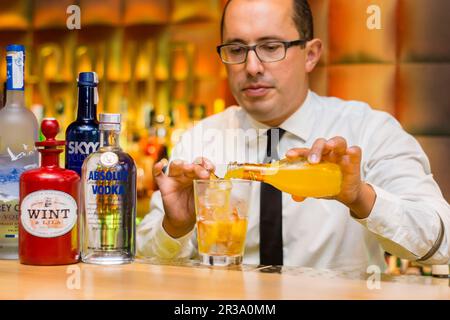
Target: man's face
x: 270, y: 92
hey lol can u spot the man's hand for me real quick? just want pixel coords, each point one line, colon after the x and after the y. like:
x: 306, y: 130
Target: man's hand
x: 358, y: 196
x: 177, y: 193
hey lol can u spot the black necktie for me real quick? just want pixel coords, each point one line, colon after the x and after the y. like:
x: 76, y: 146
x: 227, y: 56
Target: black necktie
x: 270, y: 228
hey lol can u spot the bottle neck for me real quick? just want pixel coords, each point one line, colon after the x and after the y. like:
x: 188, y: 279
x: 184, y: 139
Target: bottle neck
x: 109, y: 138
x: 87, y: 109
x: 245, y: 171
x: 15, y: 99
x: 50, y: 157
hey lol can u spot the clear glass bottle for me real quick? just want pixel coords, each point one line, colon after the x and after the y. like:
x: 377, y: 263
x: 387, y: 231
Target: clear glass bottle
x: 108, y: 214
x: 18, y: 133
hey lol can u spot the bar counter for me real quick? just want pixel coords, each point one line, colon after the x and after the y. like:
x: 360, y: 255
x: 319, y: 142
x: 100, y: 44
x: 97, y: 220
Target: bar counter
x: 144, y: 279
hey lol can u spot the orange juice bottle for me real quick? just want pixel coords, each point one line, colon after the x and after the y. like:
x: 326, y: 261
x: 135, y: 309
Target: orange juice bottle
x: 298, y: 177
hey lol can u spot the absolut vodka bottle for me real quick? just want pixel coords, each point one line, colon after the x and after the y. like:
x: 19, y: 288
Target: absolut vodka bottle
x: 82, y: 135
x: 18, y: 133
x: 109, y: 200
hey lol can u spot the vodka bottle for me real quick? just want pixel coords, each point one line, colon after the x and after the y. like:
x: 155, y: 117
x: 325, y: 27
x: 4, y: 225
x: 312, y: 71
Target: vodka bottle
x: 18, y: 133
x: 108, y: 214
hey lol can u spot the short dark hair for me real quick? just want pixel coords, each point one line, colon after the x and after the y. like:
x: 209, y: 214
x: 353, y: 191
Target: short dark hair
x: 302, y: 17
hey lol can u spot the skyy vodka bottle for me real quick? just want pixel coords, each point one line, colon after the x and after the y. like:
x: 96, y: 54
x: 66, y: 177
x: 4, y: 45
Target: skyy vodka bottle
x: 109, y: 200
x: 82, y: 135
x: 18, y: 133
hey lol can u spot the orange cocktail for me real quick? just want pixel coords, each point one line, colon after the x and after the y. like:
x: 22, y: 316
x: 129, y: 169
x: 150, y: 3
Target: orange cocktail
x: 221, y: 210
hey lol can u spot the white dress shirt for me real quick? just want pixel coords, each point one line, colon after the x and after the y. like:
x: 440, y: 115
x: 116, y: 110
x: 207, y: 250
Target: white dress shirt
x: 410, y: 218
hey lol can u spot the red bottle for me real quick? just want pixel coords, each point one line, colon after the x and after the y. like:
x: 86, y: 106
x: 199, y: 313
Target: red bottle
x: 49, y: 198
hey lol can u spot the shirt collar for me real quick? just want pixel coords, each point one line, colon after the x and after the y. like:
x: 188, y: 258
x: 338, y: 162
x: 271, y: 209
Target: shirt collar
x: 300, y: 123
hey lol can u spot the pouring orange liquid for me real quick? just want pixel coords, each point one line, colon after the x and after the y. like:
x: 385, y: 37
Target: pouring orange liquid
x: 298, y: 178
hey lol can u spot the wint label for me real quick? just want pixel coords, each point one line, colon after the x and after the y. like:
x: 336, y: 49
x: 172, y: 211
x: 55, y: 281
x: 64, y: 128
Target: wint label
x: 44, y: 214
x: 48, y: 213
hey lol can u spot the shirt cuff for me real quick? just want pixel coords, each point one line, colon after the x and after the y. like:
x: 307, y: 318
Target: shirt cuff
x: 168, y: 247
x: 398, y: 227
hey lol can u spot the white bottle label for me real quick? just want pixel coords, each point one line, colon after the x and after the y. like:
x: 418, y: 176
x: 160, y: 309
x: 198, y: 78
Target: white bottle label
x: 48, y: 213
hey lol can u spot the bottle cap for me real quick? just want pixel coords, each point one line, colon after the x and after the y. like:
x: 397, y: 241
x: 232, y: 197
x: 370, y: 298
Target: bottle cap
x: 15, y: 62
x: 89, y: 79
x: 112, y: 118
x: 50, y: 128
x: 110, y: 121
x: 15, y: 47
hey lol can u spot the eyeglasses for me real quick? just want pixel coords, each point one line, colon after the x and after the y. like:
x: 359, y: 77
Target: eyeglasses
x: 268, y: 51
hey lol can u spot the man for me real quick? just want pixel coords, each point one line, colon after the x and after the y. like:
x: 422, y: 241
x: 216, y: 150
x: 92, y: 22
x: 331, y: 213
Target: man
x: 389, y: 200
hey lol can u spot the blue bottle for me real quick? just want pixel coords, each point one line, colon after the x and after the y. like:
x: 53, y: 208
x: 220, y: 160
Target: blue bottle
x: 82, y: 135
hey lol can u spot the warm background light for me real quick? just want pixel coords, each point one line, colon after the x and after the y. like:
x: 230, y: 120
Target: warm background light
x: 159, y: 56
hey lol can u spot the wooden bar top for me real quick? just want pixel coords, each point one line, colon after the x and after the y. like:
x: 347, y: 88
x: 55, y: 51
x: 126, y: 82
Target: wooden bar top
x: 143, y: 280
